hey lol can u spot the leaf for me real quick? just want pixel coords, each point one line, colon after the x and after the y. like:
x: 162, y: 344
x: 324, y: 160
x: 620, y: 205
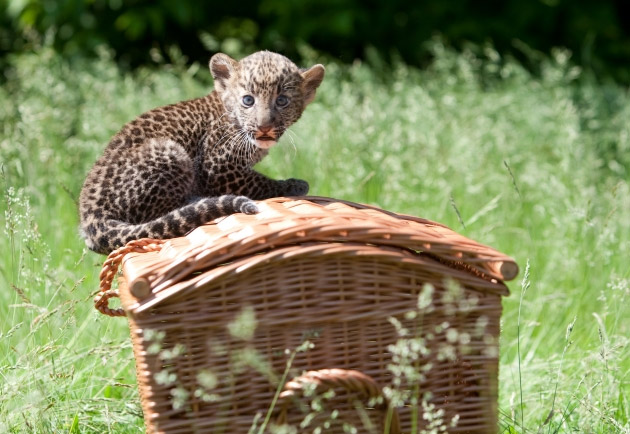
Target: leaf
x: 485, y: 210
x: 74, y: 428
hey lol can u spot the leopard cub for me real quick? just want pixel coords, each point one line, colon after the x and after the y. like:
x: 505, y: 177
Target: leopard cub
x: 179, y: 166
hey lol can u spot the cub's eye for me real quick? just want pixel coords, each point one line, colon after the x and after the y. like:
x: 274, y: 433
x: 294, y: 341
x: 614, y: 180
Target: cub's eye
x: 248, y: 100
x: 282, y: 101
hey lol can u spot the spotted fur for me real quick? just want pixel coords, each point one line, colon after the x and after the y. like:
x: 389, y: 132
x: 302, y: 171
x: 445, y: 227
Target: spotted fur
x: 179, y: 166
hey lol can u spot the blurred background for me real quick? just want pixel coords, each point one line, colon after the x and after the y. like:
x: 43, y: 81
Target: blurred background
x: 143, y: 31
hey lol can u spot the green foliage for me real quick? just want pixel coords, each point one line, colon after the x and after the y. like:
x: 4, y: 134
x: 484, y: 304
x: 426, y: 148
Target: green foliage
x: 536, y: 165
x: 140, y: 31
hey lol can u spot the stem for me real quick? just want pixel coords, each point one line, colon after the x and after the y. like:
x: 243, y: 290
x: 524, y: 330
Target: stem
x: 566, y: 346
x: 524, y: 286
x: 278, y: 391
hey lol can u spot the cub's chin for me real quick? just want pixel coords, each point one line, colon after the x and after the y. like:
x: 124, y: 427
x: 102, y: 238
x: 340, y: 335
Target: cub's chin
x: 265, y: 143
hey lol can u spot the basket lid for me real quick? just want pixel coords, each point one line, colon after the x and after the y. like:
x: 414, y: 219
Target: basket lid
x: 290, y: 221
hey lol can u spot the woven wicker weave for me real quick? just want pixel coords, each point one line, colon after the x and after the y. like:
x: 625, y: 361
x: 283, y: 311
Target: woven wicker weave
x: 322, y: 270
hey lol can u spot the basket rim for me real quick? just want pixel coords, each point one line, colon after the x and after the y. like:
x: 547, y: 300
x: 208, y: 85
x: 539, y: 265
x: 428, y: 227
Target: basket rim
x: 296, y: 221
x: 313, y: 251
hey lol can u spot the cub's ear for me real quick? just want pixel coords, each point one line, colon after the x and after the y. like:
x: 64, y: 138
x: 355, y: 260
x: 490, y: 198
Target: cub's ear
x: 222, y: 68
x: 312, y: 79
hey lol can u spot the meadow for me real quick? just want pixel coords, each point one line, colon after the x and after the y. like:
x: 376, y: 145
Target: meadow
x: 534, y: 162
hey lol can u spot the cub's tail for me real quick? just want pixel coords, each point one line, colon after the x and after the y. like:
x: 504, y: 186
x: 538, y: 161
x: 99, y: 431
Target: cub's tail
x: 106, y: 235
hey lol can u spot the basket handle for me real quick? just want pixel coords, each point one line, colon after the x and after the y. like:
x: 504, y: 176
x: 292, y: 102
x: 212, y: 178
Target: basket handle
x: 351, y: 380
x: 110, y: 268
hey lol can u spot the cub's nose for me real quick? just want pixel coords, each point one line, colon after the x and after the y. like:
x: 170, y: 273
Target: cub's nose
x: 265, y: 128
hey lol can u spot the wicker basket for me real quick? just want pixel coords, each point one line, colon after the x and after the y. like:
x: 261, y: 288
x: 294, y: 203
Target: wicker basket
x: 216, y: 319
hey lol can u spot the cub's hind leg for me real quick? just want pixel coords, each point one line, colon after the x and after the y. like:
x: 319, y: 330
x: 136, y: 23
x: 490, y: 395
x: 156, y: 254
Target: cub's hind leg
x: 147, y: 192
x: 133, y: 186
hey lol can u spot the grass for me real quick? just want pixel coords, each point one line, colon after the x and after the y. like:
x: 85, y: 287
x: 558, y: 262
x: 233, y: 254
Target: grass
x: 538, y: 166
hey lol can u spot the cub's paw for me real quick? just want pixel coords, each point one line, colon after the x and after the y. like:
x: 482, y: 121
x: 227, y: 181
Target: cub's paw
x: 295, y: 187
x: 246, y: 205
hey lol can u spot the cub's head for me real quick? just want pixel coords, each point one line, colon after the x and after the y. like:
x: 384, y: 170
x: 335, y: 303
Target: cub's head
x: 264, y: 93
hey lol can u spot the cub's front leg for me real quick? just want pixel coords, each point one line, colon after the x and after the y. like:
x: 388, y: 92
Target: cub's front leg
x: 258, y: 186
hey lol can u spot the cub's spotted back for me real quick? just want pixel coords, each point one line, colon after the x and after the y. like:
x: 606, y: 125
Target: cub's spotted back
x: 179, y: 166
